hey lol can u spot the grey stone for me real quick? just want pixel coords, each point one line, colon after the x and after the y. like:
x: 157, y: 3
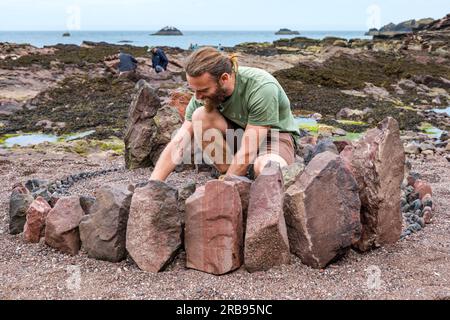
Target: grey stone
x: 35, y: 184
x: 103, y: 231
x: 44, y: 193
x: 290, y: 173
x: 321, y: 147
x: 416, y: 205
x: 87, y: 202
x: 184, y: 192
x: 20, y: 201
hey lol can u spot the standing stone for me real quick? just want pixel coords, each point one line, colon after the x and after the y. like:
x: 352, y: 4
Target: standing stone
x: 322, y: 210
x: 154, y: 227
x: 103, y: 231
x: 243, y: 185
x: 377, y: 161
x: 141, y: 128
x: 290, y: 173
x: 20, y: 201
x: 36, y: 215
x: 149, y: 128
x: 214, y: 229
x: 184, y: 192
x: 166, y: 120
x: 61, y: 231
x: 266, y: 240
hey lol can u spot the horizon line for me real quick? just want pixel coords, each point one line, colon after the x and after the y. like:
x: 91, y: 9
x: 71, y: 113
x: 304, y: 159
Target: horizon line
x: 186, y: 30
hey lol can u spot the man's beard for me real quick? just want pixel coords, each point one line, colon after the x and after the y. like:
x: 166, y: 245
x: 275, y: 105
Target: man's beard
x: 213, y: 102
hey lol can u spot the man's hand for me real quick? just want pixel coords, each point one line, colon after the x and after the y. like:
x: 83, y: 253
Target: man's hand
x: 173, y: 153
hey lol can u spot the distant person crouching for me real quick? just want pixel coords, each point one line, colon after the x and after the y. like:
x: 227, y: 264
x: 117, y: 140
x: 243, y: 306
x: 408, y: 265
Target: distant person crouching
x: 159, y: 59
x: 127, y: 66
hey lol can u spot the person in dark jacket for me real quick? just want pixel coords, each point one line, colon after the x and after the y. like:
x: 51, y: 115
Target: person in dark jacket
x: 159, y: 59
x: 127, y: 66
x: 127, y: 62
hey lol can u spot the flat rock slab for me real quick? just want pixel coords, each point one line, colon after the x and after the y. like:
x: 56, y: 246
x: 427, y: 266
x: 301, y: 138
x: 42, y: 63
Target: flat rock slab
x: 377, y: 161
x: 103, y: 231
x: 214, y: 228
x: 154, y: 226
x: 62, y: 225
x: 322, y: 210
x: 266, y: 240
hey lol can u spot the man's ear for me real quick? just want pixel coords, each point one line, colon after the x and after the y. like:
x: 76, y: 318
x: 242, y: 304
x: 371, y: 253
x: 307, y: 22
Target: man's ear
x: 225, y: 77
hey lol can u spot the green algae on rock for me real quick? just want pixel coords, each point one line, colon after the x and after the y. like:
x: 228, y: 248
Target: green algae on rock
x: 83, y: 103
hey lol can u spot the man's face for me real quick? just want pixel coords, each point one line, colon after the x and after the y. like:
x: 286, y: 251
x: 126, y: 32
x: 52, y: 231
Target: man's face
x: 208, y: 90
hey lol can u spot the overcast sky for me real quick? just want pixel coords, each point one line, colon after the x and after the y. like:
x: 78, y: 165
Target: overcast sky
x: 212, y: 14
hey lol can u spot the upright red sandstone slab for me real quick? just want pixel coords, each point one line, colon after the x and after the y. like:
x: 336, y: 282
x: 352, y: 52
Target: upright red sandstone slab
x: 377, y: 161
x: 266, y: 240
x: 62, y: 225
x: 154, y: 227
x: 214, y: 228
x: 36, y: 215
x: 322, y: 210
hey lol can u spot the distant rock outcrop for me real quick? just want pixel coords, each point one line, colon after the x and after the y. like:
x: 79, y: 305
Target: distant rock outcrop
x: 285, y: 31
x: 435, y: 25
x: 392, y: 29
x: 168, y: 31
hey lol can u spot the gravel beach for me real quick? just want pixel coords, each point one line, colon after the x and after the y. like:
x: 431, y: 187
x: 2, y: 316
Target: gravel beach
x: 415, y: 268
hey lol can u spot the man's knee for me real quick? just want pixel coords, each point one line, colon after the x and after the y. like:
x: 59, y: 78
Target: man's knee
x: 209, y: 120
x: 200, y: 114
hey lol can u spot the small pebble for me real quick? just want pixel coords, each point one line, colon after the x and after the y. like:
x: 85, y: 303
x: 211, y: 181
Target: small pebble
x: 417, y: 205
x: 403, y: 202
x: 415, y: 227
x: 421, y: 222
x: 428, y: 203
x: 408, y: 214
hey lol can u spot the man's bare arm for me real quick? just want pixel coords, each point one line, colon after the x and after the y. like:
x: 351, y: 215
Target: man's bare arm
x: 252, y: 139
x: 173, y: 152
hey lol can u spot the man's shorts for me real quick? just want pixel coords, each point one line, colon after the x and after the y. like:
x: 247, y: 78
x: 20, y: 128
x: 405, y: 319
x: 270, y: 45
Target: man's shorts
x: 285, y: 148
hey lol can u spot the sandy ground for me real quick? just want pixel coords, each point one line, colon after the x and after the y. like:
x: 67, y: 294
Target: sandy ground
x: 415, y: 268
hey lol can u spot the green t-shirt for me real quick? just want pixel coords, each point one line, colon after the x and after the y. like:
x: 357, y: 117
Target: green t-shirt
x: 258, y: 99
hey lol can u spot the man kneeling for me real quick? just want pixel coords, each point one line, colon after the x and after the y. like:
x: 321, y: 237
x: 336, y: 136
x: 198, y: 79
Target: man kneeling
x: 229, y: 98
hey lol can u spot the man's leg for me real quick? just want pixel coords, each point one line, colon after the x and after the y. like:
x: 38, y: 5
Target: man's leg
x: 209, y: 130
x: 280, y: 150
